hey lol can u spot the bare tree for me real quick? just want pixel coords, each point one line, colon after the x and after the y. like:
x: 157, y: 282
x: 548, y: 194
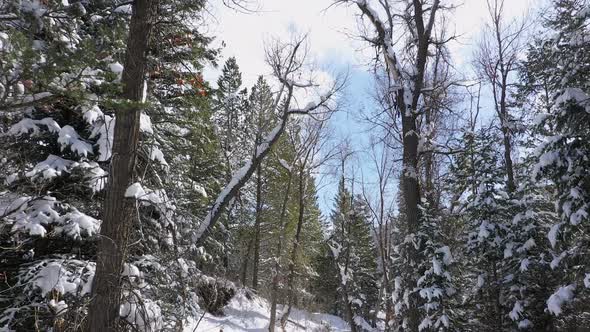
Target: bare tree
x: 407, y: 85
x: 287, y: 61
x: 277, y: 264
x: 496, y: 59
x: 310, y: 139
x: 380, y: 205
x: 118, y: 210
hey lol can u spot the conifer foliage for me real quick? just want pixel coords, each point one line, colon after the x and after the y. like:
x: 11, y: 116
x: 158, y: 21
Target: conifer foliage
x: 136, y: 195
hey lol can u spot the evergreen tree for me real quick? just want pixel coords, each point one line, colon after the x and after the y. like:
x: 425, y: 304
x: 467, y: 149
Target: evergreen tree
x: 354, y: 253
x: 563, y: 88
x: 230, y: 117
x: 61, y: 131
x: 487, y: 217
x: 436, y: 286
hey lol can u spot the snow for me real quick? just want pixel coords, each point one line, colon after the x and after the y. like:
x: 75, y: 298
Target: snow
x: 552, y: 235
x: 92, y: 114
x: 563, y: 295
x: 529, y: 244
x: 483, y: 231
x: 143, y: 313
x: 546, y: 159
x: 31, y: 126
x: 480, y: 281
x: 157, y: 155
x: 508, y: 250
x: 51, y: 167
x: 237, y: 177
x: 524, y: 265
x: 130, y: 270
x: 116, y: 67
x: 105, y: 131
x: 55, y: 166
x: 516, y: 311
x: 146, y: 195
x: 135, y: 190
x: 145, y: 123
x: 4, y: 42
x: 68, y: 137
x: 58, y: 307
x: 447, y: 256
x: 426, y: 323
x: 198, y: 188
x: 556, y: 260
x: 76, y: 224
x: 285, y: 164
x: 524, y: 324
x: 577, y: 217
x: 51, y: 125
x: 575, y: 94
x: 444, y: 320
x: 53, y: 277
x: 124, y: 9
x: 244, y: 315
x: 96, y: 177
x: 437, y: 267
x: 33, y: 215
x: 431, y: 293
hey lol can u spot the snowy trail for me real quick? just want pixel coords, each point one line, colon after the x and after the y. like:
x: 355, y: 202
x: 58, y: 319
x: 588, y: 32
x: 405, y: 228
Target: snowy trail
x: 244, y: 315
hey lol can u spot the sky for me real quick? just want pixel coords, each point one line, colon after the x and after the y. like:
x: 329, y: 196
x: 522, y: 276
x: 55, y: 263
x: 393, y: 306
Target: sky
x: 335, y: 48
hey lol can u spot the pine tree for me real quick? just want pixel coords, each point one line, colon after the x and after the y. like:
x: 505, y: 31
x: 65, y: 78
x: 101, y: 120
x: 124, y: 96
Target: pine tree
x: 58, y: 144
x: 563, y: 89
x: 436, y: 286
x: 487, y: 217
x: 230, y: 117
x: 353, y: 251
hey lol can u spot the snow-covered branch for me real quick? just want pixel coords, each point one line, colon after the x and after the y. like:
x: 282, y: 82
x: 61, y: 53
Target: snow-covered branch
x: 284, y: 68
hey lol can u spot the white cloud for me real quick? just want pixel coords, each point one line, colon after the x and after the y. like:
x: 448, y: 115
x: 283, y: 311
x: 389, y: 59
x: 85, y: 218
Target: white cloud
x: 329, y: 28
x: 245, y: 34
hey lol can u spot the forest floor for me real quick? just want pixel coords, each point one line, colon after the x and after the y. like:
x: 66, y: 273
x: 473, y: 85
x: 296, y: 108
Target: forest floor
x: 245, y: 315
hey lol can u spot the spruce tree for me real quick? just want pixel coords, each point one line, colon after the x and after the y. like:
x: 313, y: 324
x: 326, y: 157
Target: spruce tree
x: 354, y: 252
x: 563, y: 155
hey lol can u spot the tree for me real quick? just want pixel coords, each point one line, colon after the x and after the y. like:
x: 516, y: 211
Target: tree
x: 487, y: 214
x: 353, y: 251
x: 420, y: 20
x: 497, y: 61
x: 260, y: 107
x: 562, y: 155
x: 230, y: 107
x: 286, y: 64
x: 118, y: 209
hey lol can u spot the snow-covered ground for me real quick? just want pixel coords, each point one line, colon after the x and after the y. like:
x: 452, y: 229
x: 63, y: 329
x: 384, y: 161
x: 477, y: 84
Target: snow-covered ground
x: 242, y: 314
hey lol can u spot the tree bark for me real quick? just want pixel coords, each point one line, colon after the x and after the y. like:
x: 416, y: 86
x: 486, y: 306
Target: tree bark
x: 345, y: 295
x: 244, y: 269
x: 275, y: 278
x: 295, y: 249
x: 118, y: 211
x: 257, y: 228
x: 410, y: 136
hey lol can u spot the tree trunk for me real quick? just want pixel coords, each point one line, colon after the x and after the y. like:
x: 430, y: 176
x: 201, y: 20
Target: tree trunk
x: 508, y: 160
x: 411, y: 193
x: 345, y: 293
x: 118, y: 211
x: 257, y: 228
x: 244, y: 269
x: 275, y: 278
x: 291, y: 276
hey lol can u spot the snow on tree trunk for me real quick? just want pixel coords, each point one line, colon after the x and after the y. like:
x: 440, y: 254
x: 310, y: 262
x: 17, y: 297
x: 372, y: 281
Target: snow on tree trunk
x: 118, y: 210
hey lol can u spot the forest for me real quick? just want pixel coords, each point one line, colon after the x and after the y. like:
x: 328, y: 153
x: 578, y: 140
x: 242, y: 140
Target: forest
x: 153, y: 177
